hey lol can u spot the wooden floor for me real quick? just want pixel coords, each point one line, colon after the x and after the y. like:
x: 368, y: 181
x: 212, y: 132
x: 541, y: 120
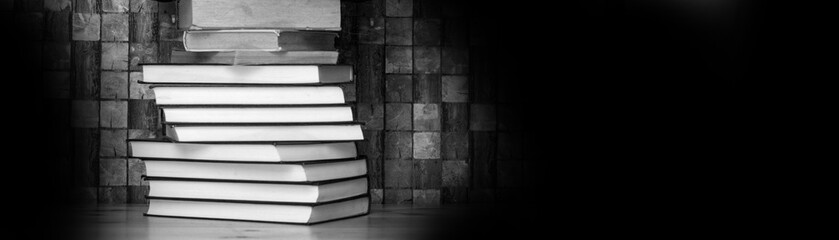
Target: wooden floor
x: 384, y: 222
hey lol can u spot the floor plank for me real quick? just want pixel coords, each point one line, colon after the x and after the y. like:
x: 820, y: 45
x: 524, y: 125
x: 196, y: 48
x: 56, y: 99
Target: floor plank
x: 126, y: 221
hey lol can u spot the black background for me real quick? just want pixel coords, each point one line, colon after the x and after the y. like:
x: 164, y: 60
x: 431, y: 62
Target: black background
x: 648, y: 115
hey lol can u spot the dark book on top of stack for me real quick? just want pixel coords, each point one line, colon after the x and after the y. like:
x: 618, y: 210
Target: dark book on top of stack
x: 258, y: 40
x: 245, y: 32
x: 260, y: 14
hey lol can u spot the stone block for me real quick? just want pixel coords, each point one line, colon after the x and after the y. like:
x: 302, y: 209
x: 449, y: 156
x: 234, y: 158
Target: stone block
x: 398, y: 145
x: 427, y: 31
x: 372, y: 115
x: 399, y: 8
x: 140, y: 53
x: 428, y: 174
x: 114, y: 27
x: 427, y: 117
x: 397, y: 174
x: 112, y: 142
x: 398, y: 59
x: 112, y: 172
x: 455, y: 174
x: 399, y: 31
x: 86, y: 26
x: 427, y: 88
x: 455, y: 145
x: 426, y: 60
x: 398, y: 116
x: 455, y: 88
x: 114, y: 85
x: 427, y: 145
x: 399, y: 88
x: 114, y: 56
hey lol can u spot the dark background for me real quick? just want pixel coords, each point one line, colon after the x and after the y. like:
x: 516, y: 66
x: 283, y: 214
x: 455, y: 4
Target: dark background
x: 631, y: 112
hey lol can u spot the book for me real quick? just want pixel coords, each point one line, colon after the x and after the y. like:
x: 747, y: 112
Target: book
x: 267, y: 132
x: 246, y: 95
x: 264, y: 152
x: 266, y: 74
x: 258, y: 40
x: 263, y: 191
x: 259, y: 211
x: 257, y: 114
x: 231, y: 40
x: 255, y: 58
x: 256, y: 171
x: 260, y: 14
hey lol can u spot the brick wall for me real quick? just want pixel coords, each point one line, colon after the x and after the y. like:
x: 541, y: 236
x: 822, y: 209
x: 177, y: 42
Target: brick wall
x: 438, y: 129
x: 441, y: 123
x: 88, y: 54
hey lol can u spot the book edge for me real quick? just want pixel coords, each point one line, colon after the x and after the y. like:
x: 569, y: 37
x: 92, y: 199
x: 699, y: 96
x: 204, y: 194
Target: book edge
x: 311, y: 162
x: 257, y: 221
x: 307, y: 183
x: 363, y: 195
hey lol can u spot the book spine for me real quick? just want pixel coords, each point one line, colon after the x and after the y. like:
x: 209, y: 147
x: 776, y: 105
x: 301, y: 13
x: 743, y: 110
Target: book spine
x: 335, y: 74
x: 185, y: 14
x: 187, y: 40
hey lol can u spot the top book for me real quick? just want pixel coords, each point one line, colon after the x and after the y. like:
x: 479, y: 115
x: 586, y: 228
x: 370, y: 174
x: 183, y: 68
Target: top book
x: 262, y: 14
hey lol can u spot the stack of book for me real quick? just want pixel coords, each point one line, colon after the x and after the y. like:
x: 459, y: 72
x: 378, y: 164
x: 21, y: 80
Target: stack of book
x: 268, y: 143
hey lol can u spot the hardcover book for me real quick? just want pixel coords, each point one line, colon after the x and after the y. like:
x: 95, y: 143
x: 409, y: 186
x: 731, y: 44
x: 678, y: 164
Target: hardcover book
x: 258, y: 40
x: 231, y: 40
x: 264, y: 132
x: 264, y: 74
x: 302, y: 213
x: 261, y: 191
x: 256, y: 171
x: 246, y: 95
x: 244, y: 152
x: 257, y: 114
x: 260, y: 14
x: 255, y: 58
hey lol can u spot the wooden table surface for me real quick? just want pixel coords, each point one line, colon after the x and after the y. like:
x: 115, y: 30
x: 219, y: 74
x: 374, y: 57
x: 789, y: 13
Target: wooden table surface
x: 384, y: 222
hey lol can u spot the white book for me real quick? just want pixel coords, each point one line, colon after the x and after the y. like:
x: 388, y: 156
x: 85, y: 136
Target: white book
x: 241, y: 95
x: 261, y: 212
x: 263, y: 133
x: 247, y: 114
x: 277, y: 172
x: 262, y: 152
x: 315, y: 192
x: 238, y: 74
